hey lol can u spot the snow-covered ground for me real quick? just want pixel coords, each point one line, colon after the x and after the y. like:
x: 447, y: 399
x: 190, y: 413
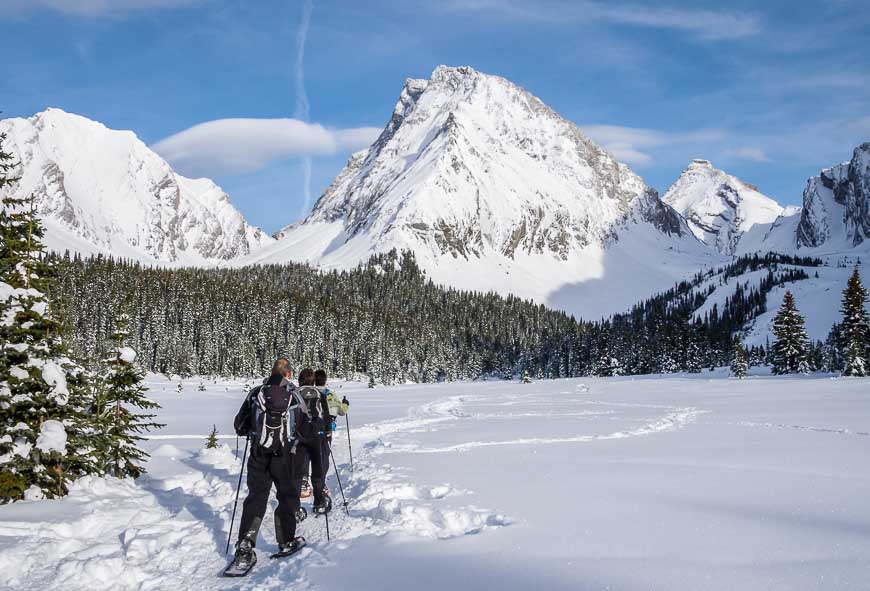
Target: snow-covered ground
x: 697, y: 482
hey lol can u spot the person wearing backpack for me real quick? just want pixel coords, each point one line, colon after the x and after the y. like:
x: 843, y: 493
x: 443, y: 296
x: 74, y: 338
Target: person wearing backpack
x: 267, y: 419
x: 311, y: 417
x: 334, y: 407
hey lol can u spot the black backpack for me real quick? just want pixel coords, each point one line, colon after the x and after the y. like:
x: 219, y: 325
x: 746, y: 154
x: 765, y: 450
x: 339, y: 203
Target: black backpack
x: 311, y: 418
x: 272, y: 424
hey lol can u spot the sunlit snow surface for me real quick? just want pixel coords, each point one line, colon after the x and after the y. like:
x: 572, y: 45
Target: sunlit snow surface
x: 698, y: 482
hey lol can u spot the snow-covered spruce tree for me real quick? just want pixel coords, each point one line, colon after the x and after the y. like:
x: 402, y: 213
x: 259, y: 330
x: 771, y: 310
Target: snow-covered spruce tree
x: 44, y: 427
x: 120, y: 398
x: 739, y: 365
x: 526, y: 378
x: 789, y: 352
x: 854, y: 329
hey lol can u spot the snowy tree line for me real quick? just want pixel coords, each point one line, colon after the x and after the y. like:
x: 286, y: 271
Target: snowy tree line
x: 388, y: 322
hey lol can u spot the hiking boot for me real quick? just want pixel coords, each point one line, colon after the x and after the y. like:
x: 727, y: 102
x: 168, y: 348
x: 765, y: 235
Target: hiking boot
x: 324, y: 506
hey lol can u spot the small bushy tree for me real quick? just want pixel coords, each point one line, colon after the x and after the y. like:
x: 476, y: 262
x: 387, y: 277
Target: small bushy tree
x: 120, y: 398
x: 212, y: 441
x: 739, y: 365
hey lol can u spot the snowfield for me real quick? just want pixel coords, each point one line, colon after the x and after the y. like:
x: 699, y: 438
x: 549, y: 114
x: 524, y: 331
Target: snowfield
x: 680, y: 482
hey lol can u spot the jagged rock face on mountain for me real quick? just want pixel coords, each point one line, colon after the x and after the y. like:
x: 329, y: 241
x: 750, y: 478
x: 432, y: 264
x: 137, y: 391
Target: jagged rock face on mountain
x: 718, y: 207
x: 102, y: 190
x: 471, y: 164
x: 836, y: 210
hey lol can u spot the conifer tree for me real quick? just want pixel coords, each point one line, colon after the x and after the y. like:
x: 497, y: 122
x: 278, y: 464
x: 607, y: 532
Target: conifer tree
x: 526, y: 378
x: 371, y: 380
x: 43, y: 394
x: 212, y: 441
x: 854, y: 328
x: 739, y: 365
x: 789, y: 352
x: 121, y: 397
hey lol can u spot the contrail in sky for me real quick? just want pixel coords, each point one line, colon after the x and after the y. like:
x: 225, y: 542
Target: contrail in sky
x: 301, y: 110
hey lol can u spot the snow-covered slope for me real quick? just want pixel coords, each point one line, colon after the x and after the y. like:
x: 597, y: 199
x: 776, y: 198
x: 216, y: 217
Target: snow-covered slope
x: 102, y: 190
x: 718, y: 207
x: 493, y: 190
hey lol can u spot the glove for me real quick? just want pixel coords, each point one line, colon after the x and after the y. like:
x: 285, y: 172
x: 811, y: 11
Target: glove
x: 344, y: 401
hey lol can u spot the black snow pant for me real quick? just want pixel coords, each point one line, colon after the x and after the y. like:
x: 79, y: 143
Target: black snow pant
x: 325, y: 445
x: 310, y: 450
x: 263, y: 471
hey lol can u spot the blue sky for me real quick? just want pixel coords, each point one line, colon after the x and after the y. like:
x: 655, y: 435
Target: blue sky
x: 771, y: 91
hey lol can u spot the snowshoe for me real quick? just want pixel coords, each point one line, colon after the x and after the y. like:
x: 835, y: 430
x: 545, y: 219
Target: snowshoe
x: 323, y: 507
x: 306, y: 490
x: 244, y: 560
x: 301, y: 515
x: 290, y: 548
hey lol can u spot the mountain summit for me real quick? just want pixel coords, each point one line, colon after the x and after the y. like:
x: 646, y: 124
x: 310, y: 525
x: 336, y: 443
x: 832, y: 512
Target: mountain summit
x: 99, y: 190
x: 492, y: 189
x: 718, y: 207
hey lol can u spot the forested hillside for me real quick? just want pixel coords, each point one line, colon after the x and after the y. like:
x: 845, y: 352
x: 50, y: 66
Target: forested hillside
x: 388, y: 321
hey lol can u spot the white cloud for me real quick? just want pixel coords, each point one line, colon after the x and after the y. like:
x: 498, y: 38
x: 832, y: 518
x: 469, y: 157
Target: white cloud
x: 635, y: 145
x: 748, y: 153
x: 232, y: 146
x: 703, y: 23
x: 97, y: 8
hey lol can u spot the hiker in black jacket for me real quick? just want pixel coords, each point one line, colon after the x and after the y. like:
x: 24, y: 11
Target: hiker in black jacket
x: 311, y: 428
x: 266, y: 418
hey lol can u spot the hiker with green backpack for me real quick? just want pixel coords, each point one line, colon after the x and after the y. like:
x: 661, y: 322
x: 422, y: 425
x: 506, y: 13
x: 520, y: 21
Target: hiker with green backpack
x: 311, y: 426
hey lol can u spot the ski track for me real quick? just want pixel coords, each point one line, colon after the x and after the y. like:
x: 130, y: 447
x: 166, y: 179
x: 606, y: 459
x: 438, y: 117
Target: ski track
x: 669, y: 422
x: 834, y: 430
x: 171, y: 531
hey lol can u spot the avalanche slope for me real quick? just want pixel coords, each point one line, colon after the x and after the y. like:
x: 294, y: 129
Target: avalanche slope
x: 668, y: 483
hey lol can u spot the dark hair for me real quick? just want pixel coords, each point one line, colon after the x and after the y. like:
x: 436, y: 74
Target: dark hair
x: 306, y: 377
x: 320, y: 377
x: 281, y: 366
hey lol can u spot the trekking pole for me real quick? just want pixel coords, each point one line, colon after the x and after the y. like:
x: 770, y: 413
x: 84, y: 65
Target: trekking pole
x: 337, y: 477
x: 349, y: 451
x: 236, y: 502
x: 326, y: 515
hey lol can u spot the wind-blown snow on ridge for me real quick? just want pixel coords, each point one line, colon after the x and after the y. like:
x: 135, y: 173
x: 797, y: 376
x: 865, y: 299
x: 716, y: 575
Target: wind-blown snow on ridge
x: 718, y: 207
x: 493, y: 190
x: 100, y: 190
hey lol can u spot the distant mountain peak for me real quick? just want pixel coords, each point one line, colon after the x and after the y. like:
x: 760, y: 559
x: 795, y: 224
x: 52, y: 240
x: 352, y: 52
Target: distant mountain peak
x: 720, y: 208
x: 101, y: 190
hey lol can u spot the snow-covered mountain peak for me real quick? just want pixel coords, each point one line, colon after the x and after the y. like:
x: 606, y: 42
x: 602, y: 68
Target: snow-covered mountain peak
x: 719, y: 207
x: 103, y: 190
x: 473, y: 172
x: 470, y: 163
